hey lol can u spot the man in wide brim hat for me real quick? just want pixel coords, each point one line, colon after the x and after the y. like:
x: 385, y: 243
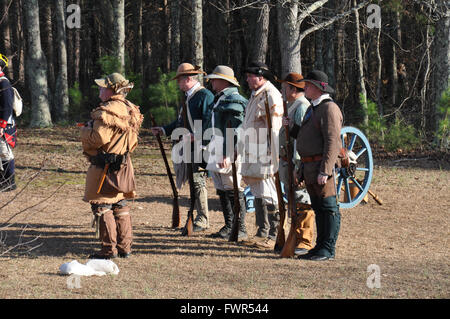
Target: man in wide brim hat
x: 223, y: 72
x: 319, y: 80
x: 294, y: 79
x: 185, y: 69
x: 259, y: 68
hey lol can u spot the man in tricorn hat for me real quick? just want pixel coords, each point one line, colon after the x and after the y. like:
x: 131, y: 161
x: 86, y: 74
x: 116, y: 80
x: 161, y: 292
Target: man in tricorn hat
x: 198, y: 102
x: 260, y: 154
x: 107, y: 141
x: 318, y: 144
x: 293, y: 92
x: 227, y: 112
x: 8, y: 131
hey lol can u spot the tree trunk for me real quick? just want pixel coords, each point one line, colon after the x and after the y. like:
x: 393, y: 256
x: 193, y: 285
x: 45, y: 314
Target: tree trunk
x: 36, y: 67
x: 362, y: 85
x: 119, y: 33
x: 197, y: 32
x: 261, y: 35
x: 289, y: 36
x: 175, y: 28
x: 61, y: 89
x: 5, y: 45
x: 47, y: 47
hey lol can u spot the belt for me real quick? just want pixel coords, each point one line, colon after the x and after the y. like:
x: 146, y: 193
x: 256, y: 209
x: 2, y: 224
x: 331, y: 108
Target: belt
x: 309, y: 159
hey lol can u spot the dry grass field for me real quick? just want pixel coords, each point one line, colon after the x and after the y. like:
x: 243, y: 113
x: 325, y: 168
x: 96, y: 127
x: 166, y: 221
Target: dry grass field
x: 407, y: 237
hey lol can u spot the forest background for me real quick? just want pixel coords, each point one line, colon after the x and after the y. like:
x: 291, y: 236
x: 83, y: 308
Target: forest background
x: 389, y: 61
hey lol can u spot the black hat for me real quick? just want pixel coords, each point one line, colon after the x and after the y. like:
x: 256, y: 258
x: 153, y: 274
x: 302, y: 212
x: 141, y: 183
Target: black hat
x: 320, y: 80
x: 260, y: 69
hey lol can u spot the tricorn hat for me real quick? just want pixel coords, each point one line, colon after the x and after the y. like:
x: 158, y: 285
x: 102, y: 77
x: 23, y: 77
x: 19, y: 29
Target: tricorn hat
x: 294, y: 79
x: 115, y: 81
x: 223, y: 72
x: 260, y: 69
x: 187, y: 69
x: 320, y: 80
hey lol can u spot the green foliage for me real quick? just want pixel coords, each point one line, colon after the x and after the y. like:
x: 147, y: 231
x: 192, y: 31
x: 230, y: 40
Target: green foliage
x: 401, y: 136
x: 376, y: 126
x: 76, y: 103
x: 108, y: 64
x: 163, y: 116
x: 165, y: 92
x: 443, y: 129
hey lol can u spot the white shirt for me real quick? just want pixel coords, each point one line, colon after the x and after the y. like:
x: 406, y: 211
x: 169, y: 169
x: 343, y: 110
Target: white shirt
x: 320, y: 99
x: 192, y: 89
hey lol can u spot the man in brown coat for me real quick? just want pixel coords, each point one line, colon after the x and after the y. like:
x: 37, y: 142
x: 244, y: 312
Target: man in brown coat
x: 107, y: 141
x: 318, y: 144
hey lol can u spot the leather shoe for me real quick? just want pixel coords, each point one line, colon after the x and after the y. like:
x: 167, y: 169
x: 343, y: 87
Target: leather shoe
x: 124, y: 255
x: 101, y: 256
x: 198, y: 228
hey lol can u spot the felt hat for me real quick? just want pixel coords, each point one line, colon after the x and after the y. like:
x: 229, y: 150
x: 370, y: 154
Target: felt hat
x: 223, y: 72
x: 320, y: 80
x: 260, y: 69
x: 187, y: 69
x: 294, y: 79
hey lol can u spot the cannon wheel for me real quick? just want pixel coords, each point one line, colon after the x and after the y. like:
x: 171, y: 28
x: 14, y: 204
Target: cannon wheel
x: 352, y: 183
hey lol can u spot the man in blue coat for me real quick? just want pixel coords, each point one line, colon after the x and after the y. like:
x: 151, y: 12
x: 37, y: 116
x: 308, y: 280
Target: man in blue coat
x: 7, y: 131
x: 198, y: 103
x: 227, y: 112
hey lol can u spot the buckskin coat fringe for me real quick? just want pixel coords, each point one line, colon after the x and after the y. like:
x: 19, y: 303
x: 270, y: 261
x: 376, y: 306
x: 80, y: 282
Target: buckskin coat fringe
x: 115, y: 129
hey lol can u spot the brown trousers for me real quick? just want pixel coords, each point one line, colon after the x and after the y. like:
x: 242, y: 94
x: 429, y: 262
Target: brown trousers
x: 304, y: 227
x: 115, y: 231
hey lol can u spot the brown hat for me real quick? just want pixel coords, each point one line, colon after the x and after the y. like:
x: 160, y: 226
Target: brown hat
x: 294, y: 79
x: 115, y: 81
x: 187, y: 69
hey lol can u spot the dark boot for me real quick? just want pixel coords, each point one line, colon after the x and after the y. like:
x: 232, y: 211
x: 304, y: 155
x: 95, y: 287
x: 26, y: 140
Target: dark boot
x: 8, y: 178
x: 331, y: 224
x: 262, y: 218
x: 227, y: 210
x: 274, y: 221
x: 242, y: 233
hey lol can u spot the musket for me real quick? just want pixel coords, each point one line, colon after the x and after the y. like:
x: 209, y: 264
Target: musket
x: 236, y: 205
x: 290, y: 243
x: 176, y: 208
x: 279, y: 243
x: 189, y: 226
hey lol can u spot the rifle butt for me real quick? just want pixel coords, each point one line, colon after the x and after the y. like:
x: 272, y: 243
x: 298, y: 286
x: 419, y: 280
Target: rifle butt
x: 234, y: 235
x: 188, y: 229
x: 175, y: 214
x: 289, y: 245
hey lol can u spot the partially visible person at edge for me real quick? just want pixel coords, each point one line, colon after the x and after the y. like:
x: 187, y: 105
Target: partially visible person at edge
x: 293, y: 91
x: 318, y: 144
x: 227, y: 112
x: 8, y: 131
x: 109, y: 138
x: 257, y: 171
x: 198, y: 102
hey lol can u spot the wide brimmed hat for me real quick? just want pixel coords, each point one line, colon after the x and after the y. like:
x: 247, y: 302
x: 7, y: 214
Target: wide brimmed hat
x: 115, y: 81
x: 294, y: 79
x: 260, y: 69
x: 3, y: 61
x: 187, y: 69
x: 320, y: 80
x: 223, y: 72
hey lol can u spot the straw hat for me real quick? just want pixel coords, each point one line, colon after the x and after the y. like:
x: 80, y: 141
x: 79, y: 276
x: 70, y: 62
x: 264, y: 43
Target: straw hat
x: 115, y: 81
x: 223, y: 72
x: 187, y: 69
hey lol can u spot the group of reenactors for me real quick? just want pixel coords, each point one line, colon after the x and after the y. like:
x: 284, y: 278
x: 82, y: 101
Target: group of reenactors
x: 313, y: 121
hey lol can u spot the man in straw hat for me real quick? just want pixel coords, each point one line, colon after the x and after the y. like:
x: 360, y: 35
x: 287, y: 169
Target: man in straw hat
x: 8, y: 131
x: 107, y: 141
x: 227, y: 112
x: 198, y: 103
x: 318, y: 144
x: 297, y: 104
x: 260, y: 154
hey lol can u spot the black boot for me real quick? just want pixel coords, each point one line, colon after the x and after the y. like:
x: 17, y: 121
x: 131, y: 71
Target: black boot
x: 7, y: 178
x: 227, y: 209
x: 262, y: 218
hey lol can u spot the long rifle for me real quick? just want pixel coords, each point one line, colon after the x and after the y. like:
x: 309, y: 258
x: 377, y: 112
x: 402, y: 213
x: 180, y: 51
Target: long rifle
x: 279, y: 243
x: 176, y: 208
x: 189, y: 227
x: 290, y: 243
x: 236, y: 204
